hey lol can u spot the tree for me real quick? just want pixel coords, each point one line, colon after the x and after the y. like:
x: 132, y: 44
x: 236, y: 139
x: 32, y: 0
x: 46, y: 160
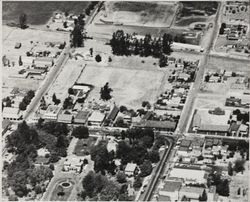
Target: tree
x: 91, y: 52
x: 68, y: 103
x: 146, y: 168
x: 40, y: 123
x: 163, y: 61
x: 8, y: 102
x: 62, y: 142
x: 71, y: 91
x: 81, y: 132
x: 40, y: 174
x: 121, y: 177
x: 22, y: 106
x: 38, y: 189
x: 207, y: 77
x: 154, y: 156
x: 203, y: 197
x: 239, y: 165
x: 88, y: 183
x: 23, y: 21
x: 20, y: 61
x: 200, y: 158
x: 223, y: 188
x: 110, y: 192
x: 138, y: 182
x: 105, y: 92
x: 55, y: 100
x: 98, y: 58
x: 77, y: 36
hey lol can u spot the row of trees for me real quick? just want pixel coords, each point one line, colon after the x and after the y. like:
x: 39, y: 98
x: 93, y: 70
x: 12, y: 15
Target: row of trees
x: 26, y: 100
x: 127, y: 44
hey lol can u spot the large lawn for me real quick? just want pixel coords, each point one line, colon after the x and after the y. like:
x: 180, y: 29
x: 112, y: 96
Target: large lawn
x: 84, y: 146
x: 39, y: 12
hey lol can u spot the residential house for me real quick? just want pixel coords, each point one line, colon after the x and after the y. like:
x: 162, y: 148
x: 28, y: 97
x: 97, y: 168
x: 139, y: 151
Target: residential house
x: 43, y: 63
x: 130, y: 169
x: 73, y: 164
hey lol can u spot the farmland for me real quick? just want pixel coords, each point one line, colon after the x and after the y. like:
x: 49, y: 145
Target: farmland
x: 38, y: 12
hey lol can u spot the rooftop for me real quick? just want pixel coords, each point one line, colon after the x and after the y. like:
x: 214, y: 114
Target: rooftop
x: 52, y: 110
x: 82, y: 115
x: 185, y: 143
x: 11, y: 112
x: 130, y: 167
x: 172, y: 186
x: 157, y: 124
x: 96, y: 116
x: 198, y: 190
x: 113, y: 113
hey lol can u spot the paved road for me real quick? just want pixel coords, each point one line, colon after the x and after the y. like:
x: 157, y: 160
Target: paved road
x: 186, y: 112
x: 47, y: 82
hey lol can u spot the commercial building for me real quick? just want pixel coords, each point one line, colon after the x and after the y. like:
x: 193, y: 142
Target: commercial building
x: 113, y: 113
x: 82, y: 117
x: 171, y: 189
x: 65, y: 118
x: 157, y: 125
x: 11, y: 113
x: 52, y: 113
x: 189, y: 174
x: 211, y: 121
x: 96, y: 118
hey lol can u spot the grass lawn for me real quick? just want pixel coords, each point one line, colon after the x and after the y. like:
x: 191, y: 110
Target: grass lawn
x: 188, y: 21
x: 84, y: 145
x: 39, y: 12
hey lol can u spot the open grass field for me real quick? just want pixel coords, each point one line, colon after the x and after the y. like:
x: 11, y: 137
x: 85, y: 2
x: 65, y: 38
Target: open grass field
x: 38, y: 12
x: 83, y: 146
x: 130, y: 87
x: 157, y: 14
x: 229, y: 64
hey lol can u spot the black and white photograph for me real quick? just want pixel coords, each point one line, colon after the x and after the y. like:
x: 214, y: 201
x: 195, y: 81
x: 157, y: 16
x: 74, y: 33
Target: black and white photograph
x: 125, y: 100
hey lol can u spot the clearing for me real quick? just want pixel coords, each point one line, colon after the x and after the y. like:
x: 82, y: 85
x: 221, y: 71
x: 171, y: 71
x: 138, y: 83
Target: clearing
x: 130, y: 87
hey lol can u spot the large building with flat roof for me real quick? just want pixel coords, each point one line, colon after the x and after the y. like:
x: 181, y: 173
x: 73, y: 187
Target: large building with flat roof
x: 96, y: 118
x: 205, y: 121
x: 11, y: 113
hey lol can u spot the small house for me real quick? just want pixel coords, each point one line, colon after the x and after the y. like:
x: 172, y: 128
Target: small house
x: 130, y: 169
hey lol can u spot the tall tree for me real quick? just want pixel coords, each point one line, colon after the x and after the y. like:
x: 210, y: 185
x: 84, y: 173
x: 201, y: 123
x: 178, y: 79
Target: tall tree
x: 23, y: 21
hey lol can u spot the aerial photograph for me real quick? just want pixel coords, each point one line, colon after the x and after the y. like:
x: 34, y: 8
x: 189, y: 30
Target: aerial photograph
x: 125, y: 101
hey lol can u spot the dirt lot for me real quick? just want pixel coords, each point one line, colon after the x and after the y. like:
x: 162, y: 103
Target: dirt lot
x: 141, y: 13
x: 130, y: 87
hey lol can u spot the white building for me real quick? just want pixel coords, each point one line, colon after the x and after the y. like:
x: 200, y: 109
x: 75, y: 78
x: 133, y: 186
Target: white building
x: 73, y: 164
x: 130, y: 169
x: 96, y: 118
x: 11, y: 113
x: 189, y: 175
x: 52, y: 113
x: 171, y: 189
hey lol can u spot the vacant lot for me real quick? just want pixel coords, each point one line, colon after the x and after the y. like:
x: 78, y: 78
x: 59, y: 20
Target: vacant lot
x: 229, y: 64
x: 67, y: 77
x: 130, y: 87
x: 141, y: 13
x: 83, y: 146
x: 39, y: 12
